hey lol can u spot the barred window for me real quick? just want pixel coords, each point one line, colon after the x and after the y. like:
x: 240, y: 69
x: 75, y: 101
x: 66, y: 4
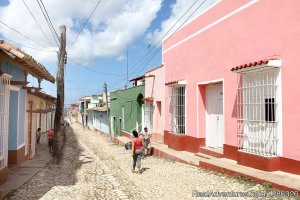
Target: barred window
x: 177, y: 109
x: 4, y: 110
x: 257, y: 107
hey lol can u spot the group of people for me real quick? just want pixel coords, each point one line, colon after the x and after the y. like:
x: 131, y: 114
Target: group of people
x: 140, y: 148
x: 50, y: 138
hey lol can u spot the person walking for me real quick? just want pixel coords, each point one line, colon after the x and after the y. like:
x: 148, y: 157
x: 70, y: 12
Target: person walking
x: 137, y: 152
x: 146, y: 135
x: 51, y: 139
x: 38, y: 135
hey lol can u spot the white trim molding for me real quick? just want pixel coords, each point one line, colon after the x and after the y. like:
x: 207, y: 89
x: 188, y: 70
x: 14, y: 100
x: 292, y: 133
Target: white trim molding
x: 250, y: 3
x: 200, y: 14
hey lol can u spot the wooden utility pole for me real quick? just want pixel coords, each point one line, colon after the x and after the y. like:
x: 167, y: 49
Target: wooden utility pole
x: 59, y: 112
x: 107, y: 111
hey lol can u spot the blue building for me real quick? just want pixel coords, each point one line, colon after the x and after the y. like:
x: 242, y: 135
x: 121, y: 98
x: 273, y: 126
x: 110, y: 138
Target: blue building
x: 15, y: 66
x: 98, y: 119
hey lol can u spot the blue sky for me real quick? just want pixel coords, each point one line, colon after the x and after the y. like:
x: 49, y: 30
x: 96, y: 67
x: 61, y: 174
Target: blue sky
x: 114, y: 29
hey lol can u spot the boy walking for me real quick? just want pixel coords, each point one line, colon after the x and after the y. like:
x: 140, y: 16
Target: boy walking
x: 146, y: 138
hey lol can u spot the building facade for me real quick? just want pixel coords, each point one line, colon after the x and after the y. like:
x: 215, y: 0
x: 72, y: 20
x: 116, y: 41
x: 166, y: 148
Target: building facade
x: 126, y: 109
x: 83, y: 104
x: 229, y: 84
x: 98, y: 119
x: 15, y: 65
x: 154, y: 103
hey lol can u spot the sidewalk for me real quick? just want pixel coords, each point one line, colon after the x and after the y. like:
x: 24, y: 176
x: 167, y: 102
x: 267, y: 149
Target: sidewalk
x: 277, y: 180
x: 17, y: 176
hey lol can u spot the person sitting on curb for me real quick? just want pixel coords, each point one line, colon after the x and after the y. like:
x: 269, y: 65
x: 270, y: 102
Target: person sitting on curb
x: 146, y: 138
x: 137, y: 152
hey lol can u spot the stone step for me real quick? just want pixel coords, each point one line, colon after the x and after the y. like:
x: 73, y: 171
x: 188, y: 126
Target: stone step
x: 217, y: 153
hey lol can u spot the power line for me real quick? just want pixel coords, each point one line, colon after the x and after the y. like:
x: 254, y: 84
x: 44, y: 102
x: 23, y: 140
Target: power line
x: 22, y: 34
x: 5, y: 38
x: 146, y: 58
x: 37, y: 22
x: 53, y: 32
x: 150, y: 58
x: 49, y: 19
x: 152, y: 47
x: 87, y: 68
x: 85, y: 24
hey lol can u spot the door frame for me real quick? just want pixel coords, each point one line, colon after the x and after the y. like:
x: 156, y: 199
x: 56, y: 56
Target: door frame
x: 15, y: 89
x: 205, y: 83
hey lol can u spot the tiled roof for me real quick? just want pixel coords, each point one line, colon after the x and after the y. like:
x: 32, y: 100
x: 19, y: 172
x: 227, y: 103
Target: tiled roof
x: 34, y: 68
x: 252, y: 64
x: 171, y: 82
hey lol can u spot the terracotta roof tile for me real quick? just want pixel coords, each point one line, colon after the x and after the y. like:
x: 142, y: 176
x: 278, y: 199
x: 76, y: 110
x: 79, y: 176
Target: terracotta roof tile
x: 171, y: 82
x: 252, y: 64
x: 34, y: 68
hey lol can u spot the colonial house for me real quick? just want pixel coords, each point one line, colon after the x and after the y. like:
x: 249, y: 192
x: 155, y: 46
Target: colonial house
x: 40, y: 114
x: 126, y: 108
x: 15, y: 65
x: 98, y: 119
x: 154, y: 103
x: 82, y: 113
x: 231, y: 79
x: 98, y: 114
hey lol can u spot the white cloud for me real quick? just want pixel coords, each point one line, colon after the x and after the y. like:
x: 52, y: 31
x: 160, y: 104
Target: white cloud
x: 113, y: 26
x: 178, y: 10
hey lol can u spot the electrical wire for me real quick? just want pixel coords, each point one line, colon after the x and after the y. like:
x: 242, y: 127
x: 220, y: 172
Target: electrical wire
x: 22, y: 34
x: 5, y: 38
x: 146, y: 58
x: 158, y: 42
x: 37, y: 22
x: 49, y: 19
x: 87, y: 68
x: 84, y: 24
x: 53, y: 32
x: 155, y: 53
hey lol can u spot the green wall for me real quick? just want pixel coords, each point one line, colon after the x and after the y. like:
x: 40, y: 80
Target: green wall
x: 131, y: 100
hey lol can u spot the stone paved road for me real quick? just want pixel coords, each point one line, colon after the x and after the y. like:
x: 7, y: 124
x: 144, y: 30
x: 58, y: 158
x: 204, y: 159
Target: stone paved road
x: 93, y: 168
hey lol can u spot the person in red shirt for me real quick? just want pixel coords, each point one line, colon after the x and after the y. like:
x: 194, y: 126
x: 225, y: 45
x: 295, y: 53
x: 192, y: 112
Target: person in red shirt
x: 51, y: 139
x: 137, y: 151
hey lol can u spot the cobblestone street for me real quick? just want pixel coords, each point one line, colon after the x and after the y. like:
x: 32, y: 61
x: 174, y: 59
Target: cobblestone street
x: 94, y: 168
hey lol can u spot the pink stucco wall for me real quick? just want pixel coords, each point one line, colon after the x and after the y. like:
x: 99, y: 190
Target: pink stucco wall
x: 265, y: 28
x: 154, y: 87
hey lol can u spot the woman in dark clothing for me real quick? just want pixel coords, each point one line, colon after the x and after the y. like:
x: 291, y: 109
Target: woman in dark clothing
x: 137, y: 151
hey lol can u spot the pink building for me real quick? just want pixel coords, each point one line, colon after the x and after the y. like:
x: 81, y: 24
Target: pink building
x: 154, y: 106
x: 230, y: 84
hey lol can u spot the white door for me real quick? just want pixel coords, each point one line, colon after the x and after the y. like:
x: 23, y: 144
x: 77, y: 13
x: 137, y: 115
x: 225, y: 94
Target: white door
x: 148, y: 116
x: 214, y: 116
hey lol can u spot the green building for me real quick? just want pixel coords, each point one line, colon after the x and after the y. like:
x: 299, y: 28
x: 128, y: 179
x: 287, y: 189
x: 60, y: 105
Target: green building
x: 126, y: 109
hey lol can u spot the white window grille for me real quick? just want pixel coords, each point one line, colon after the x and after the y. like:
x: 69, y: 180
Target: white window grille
x: 4, y: 112
x: 177, y: 109
x: 148, y: 115
x: 257, y: 112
